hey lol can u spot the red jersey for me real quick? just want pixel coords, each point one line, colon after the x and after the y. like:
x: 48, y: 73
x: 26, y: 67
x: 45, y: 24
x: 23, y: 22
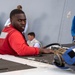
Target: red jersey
x: 13, y: 42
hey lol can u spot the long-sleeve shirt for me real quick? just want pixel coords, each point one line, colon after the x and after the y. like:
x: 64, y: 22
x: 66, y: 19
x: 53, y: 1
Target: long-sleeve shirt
x: 34, y: 43
x: 13, y: 42
x: 73, y: 27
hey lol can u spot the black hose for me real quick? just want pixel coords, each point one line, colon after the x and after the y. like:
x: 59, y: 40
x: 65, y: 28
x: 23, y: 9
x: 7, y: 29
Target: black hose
x: 51, y: 45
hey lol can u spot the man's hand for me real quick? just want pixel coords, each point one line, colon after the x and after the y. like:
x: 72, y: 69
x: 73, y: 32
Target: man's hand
x: 46, y: 51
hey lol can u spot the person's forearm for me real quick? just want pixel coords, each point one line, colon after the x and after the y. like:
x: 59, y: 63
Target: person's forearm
x: 42, y: 50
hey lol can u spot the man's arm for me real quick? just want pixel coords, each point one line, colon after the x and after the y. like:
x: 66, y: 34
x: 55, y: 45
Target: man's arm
x: 73, y: 27
x: 19, y: 45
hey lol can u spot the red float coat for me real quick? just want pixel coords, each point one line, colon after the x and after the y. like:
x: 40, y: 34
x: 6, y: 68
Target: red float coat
x: 13, y: 42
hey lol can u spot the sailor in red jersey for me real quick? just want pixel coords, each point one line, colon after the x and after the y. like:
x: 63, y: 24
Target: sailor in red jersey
x: 12, y: 40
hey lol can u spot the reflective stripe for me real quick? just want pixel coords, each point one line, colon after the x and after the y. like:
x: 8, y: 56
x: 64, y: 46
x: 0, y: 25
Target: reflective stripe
x: 3, y: 34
